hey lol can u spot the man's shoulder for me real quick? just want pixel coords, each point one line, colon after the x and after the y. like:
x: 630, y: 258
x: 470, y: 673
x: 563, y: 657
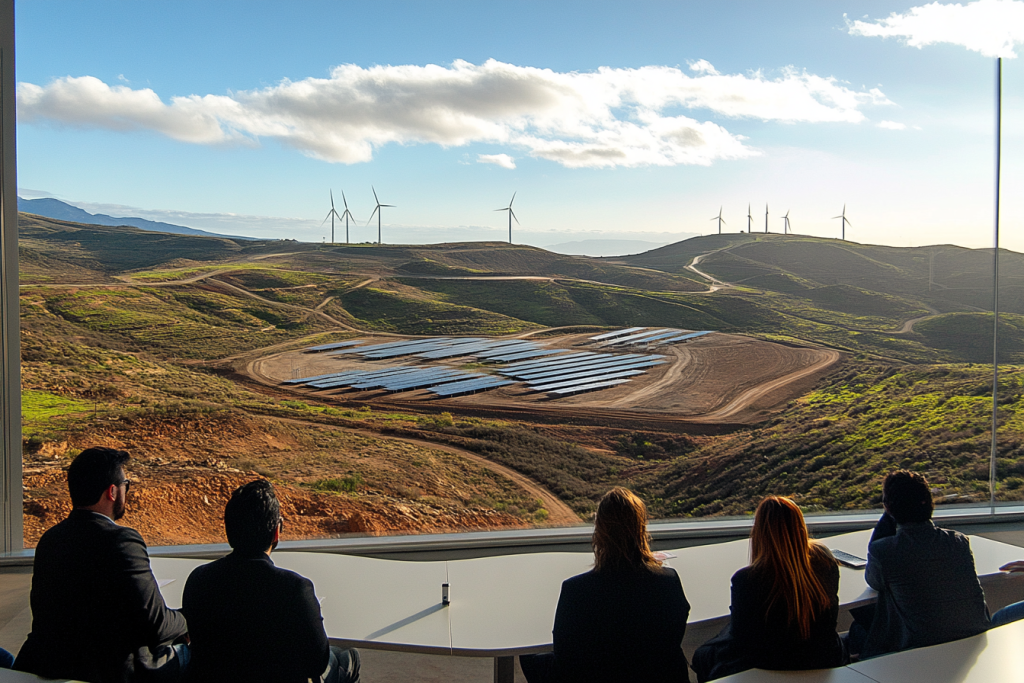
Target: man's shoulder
x: 88, y: 527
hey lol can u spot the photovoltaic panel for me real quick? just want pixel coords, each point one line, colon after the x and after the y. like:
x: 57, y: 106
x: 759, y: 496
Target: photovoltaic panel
x: 573, y: 382
x: 587, y: 387
x: 314, y: 378
x: 616, y: 333
x: 593, y: 372
x: 359, y: 376
x: 454, y: 351
x: 661, y: 335
x: 569, y: 367
x: 520, y: 366
x: 693, y: 335
x: 523, y: 355
x: 639, y: 335
x: 595, y: 369
x: 328, y: 347
x: 555, y: 362
x: 428, y: 380
x: 508, y: 348
x: 467, y: 387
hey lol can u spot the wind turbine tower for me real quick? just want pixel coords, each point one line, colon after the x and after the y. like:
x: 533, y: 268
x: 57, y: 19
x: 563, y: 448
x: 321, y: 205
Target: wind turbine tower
x: 377, y: 211
x: 331, y: 214
x: 750, y: 220
x: 845, y: 221
x: 766, y: 219
x: 511, y: 215
x: 785, y: 223
x: 720, y: 220
x: 346, y: 215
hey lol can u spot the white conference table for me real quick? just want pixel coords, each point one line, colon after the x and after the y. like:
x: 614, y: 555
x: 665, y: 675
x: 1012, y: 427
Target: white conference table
x: 505, y: 606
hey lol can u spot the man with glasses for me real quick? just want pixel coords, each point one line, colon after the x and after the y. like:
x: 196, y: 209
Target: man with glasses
x: 254, y: 622
x: 97, y: 612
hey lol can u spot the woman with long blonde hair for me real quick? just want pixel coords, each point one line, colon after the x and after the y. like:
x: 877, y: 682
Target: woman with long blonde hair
x: 624, y: 620
x: 784, y: 604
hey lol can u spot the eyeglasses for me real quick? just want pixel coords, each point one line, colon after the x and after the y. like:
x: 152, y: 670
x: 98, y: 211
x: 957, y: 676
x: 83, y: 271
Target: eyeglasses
x: 127, y: 485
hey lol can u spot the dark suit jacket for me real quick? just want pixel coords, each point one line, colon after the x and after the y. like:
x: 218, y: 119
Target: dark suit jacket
x: 928, y: 589
x: 621, y: 626
x: 94, y: 602
x: 251, y: 621
x: 760, y: 634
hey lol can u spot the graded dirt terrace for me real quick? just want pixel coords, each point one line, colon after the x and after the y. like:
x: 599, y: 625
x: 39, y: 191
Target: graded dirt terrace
x: 718, y: 378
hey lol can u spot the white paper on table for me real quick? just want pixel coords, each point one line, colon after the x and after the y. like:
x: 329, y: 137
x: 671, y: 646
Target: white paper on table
x: 163, y: 582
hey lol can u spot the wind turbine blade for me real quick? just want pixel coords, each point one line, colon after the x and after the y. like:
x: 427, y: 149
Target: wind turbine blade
x: 325, y: 220
x: 375, y: 195
x: 715, y: 218
x: 723, y: 220
x: 332, y: 200
x: 344, y: 200
x: 513, y: 214
x: 834, y: 217
x: 512, y: 200
x: 505, y: 209
x: 392, y: 206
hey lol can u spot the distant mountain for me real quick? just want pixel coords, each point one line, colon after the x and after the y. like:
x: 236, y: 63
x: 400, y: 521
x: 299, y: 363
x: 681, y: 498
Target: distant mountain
x: 598, y: 247
x: 54, y: 208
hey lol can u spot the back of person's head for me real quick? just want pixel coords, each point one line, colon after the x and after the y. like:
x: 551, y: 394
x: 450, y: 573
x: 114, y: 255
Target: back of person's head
x: 620, y: 533
x: 780, y: 546
x: 92, y: 472
x: 907, y: 497
x: 252, y: 516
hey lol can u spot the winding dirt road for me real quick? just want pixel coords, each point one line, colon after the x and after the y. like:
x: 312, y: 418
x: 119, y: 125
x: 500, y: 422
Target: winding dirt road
x: 559, y: 514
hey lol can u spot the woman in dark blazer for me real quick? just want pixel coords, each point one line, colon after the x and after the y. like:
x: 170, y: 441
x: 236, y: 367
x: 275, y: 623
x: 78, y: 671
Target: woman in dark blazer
x: 623, y: 620
x: 784, y: 605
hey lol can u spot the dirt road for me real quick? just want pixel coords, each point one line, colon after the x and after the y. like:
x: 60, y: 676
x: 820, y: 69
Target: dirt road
x: 559, y: 514
x: 745, y: 400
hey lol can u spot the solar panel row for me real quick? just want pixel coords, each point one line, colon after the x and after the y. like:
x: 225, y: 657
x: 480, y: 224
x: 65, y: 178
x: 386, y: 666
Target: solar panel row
x: 685, y: 337
x: 635, y: 363
x: 358, y: 375
x: 649, y: 339
x: 616, y: 333
x: 639, y: 335
x: 328, y: 347
x: 597, y: 359
x: 572, y: 382
x: 587, y: 387
x: 526, y: 364
x: 469, y: 387
x: 522, y: 355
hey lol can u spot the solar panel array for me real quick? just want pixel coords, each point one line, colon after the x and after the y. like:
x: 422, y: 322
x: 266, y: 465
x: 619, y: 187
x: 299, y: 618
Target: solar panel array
x: 556, y: 372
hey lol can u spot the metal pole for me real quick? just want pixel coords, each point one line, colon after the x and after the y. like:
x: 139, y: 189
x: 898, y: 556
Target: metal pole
x: 10, y: 346
x: 995, y: 294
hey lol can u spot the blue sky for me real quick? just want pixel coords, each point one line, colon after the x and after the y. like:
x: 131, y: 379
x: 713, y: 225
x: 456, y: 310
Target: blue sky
x: 634, y: 121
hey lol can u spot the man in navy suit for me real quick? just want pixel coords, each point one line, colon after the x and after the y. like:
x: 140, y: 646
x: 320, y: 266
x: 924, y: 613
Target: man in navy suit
x: 97, y: 613
x: 250, y: 621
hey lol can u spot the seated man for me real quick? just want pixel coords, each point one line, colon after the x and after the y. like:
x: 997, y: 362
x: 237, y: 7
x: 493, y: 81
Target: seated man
x: 250, y: 621
x: 928, y: 589
x: 97, y: 613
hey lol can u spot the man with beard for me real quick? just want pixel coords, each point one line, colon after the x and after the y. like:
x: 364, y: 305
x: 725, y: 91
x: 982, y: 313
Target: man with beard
x: 97, y: 613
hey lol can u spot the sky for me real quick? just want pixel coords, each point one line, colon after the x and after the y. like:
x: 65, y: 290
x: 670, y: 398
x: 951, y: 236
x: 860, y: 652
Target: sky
x: 635, y: 120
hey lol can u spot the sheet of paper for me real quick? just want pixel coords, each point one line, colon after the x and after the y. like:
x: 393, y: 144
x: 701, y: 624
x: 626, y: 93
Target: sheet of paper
x: 163, y: 582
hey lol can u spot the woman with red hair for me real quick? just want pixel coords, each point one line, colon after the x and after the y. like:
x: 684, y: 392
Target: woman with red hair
x: 623, y: 620
x: 784, y: 604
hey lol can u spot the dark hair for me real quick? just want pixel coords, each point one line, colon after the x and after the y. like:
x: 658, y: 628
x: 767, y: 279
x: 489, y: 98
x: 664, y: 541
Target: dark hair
x: 93, y: 472
x: 907, y: 497
x: 620, y: 533
x: 251, y: 517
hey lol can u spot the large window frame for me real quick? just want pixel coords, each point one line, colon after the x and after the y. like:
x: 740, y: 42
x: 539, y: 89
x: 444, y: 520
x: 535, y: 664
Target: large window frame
x: 666, y: 533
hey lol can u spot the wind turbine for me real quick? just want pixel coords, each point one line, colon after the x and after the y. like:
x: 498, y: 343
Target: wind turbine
x: 719, y: 219
x: 845, y: 221
x: 346, y: 215
x: 331, y: 214
x: 511, y: 215
x: 766, y: 219
x: 785, y: 226
x: 749, y: 220
x: 377, y: 211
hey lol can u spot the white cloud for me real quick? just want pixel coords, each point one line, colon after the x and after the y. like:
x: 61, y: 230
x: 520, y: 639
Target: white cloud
x: 609, y: 117
x: 991, y: 27
x: 892, y: 125
x: 503, y: 160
